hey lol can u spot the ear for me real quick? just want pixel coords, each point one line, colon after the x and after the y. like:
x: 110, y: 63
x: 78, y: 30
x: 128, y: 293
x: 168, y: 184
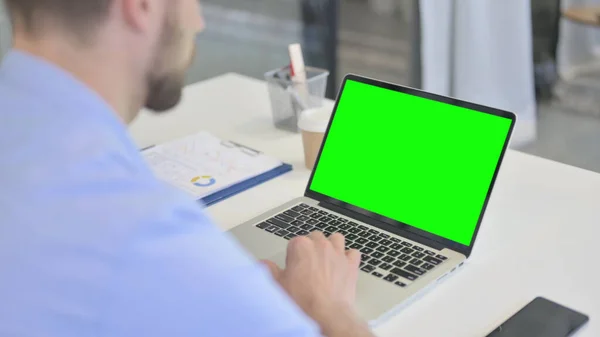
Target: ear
x: 141, y: 15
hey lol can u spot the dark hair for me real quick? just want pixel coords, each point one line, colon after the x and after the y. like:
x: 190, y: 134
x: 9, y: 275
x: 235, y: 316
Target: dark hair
x: 75, y: 14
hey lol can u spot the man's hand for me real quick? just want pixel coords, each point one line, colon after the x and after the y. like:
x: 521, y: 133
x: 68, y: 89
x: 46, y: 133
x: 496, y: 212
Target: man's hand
x: 321, y: 276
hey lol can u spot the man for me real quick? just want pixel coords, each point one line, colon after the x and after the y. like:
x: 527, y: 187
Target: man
x: 91, y: 244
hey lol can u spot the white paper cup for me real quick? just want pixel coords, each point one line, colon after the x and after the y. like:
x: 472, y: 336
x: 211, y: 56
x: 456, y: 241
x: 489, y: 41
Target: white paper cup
x: 313, y: 124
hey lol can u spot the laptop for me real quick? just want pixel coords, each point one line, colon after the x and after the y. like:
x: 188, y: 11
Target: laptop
x: 406, y: 176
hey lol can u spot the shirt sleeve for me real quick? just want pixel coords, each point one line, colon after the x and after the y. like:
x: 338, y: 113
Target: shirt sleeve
x: 181, y: 276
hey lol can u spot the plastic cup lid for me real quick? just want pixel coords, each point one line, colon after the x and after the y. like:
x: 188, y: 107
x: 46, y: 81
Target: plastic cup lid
x: 317, y: 119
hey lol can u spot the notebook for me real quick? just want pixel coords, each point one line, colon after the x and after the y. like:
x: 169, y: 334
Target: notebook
x: 211, y: 169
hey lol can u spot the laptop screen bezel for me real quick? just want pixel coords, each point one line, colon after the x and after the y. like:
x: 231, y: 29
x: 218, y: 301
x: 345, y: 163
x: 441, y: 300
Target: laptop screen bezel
x: 458, y: 247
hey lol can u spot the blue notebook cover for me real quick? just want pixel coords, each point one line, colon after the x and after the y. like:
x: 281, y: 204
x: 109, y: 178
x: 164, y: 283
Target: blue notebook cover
x: 244, y: 185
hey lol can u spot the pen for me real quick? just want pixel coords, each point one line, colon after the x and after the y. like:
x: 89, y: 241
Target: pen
x: 247, y: 150
x: 147, y: 148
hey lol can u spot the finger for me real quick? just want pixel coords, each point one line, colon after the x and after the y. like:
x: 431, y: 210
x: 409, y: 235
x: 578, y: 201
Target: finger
x: 338, y: 241
x: 317, y: 236
x: 296, y: 248
x: 353, y: 256
x: 298, y: 242
x: 273, y: 268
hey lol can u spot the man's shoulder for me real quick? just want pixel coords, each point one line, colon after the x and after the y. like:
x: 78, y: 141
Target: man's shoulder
x: 76, y: 170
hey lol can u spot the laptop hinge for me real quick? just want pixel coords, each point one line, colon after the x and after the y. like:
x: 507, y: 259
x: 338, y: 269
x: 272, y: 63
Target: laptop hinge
x: 383, y: 226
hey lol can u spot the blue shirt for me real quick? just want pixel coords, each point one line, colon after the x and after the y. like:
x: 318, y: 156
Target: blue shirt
x: 92, y: 244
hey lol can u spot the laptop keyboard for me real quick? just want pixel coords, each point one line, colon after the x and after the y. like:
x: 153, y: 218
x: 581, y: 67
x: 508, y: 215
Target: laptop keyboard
x: 383, y: 256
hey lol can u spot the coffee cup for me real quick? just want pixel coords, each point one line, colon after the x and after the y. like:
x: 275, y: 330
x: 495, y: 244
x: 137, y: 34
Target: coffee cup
x: 313, y: 124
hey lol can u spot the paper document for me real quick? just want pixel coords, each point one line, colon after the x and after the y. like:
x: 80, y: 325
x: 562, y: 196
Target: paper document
x: 203, y: 164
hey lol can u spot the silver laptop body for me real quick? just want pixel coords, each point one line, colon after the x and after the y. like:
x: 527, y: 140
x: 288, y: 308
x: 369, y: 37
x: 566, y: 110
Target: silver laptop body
x: 399, y: 262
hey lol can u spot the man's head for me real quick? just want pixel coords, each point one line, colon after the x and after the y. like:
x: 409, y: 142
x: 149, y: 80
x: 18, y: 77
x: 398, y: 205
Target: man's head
x: 152, y: 40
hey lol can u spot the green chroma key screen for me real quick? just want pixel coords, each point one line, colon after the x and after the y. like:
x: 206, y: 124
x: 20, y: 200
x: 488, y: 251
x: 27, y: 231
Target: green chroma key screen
x: 421, y: 162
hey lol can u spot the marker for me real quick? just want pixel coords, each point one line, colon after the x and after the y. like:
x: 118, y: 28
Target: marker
x: 298, y: 72
x: 298, y: 69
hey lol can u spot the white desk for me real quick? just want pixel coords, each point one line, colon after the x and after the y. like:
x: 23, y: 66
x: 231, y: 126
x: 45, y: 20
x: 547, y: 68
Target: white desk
x: 539, y: 236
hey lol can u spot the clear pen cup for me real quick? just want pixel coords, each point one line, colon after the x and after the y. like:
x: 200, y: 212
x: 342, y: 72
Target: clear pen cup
x: 289, y: 98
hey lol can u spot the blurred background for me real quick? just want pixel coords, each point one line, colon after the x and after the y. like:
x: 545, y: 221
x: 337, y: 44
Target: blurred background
x: 537, y: 58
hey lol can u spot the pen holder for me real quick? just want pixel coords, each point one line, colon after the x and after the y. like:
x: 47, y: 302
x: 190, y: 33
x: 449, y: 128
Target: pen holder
x: 289, y: 98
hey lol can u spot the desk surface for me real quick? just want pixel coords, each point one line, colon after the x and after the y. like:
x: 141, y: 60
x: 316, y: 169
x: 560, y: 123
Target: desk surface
x: 587, y: 15
x: 538, y: 237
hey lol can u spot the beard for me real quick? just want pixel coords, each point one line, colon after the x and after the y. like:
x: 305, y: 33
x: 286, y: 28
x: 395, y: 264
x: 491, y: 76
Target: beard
x: 165, y: 81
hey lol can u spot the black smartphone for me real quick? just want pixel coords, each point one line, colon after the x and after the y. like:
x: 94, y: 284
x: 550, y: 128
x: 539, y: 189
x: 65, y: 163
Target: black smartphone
x: 541, y: 318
